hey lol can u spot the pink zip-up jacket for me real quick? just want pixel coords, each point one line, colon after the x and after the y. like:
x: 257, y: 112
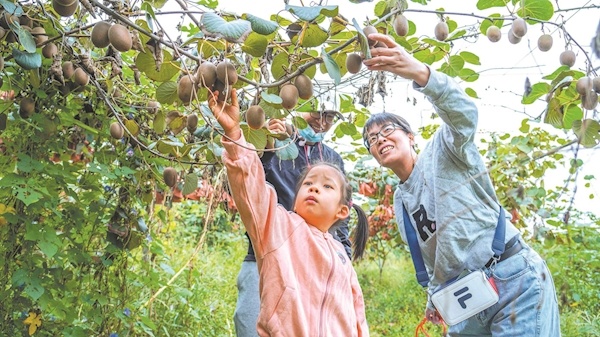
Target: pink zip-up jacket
x: 308, y: 286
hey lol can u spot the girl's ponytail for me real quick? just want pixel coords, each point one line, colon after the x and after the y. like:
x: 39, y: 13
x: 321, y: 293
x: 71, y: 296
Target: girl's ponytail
x: 361, y: 234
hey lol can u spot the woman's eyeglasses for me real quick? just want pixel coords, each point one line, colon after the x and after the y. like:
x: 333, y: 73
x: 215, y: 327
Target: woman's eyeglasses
x: 385, y: 131
x: 328, y: 117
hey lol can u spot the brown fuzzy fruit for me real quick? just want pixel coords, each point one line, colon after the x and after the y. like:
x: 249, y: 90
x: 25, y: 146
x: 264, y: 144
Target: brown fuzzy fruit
x: 65, y: 8
x: 49, y: 50
x: 152, y: 107
x: 596, y: 84
x: 590, y: 100
x: 519, y: 27
x: 68, y: 69
x: 226, y: 72
x: 289, y: 96
x: 584, y: 85
x: 567, y: 58
x: 368, y: 30
x: 255, y: 117
x: 170, y: 176
x: 99, y: 34
x: 26, y: 107
x: 493, y: 33
x: 192, y: 122
x: 400, y: 25
x: 353, y: 63
x: 545, y: 42
x: 206, y: 74
x: 120, y: 38
x: 186, y: 88
x: 512, y: 38
x: 304, y: 86
x: 116, y: 130
x: 224, y: 91
x: 441, y: 31
x: 81, y: 77
x: 39, y: 35
x: 293, y: 30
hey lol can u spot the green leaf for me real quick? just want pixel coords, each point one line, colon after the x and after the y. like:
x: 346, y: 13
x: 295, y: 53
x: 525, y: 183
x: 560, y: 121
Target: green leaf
x: 26, y: 60
x: 496, y: 20
x: 286, y: 149
x: 34, y: 289
x: 255, y: 44
x: 49, y: 243
x: 271, y: 98
x: 272, y: 111
x: 471, y: 92
x: 132, y: 127
x: 313, y: 36
x: 468, y: 75
x: 381, y: 9
x: 208, y: 48
x: 537, y: 91
x: 234, y: 31
x: 332, y: 68
x: 485, y: 4
x: 259, y: 25
x: 27, y: 195
x: 470, y: 57
x: 258, y: 138
x: 24, y: 36
x: 588, y: 132
x: 190, y: 183
x: 362, y: 40
x: 166, y: 93
x: 554, y: 114
x: 145, y: 62
x: 572, y: 113
x: 311, y: 13
x: 537, y: 9
x: 11, y: 7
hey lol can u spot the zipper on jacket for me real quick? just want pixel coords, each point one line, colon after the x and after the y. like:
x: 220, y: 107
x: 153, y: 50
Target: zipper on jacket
x: 322, y: 312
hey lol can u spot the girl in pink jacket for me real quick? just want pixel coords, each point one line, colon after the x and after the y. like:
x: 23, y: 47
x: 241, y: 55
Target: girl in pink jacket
x: 308, y: 286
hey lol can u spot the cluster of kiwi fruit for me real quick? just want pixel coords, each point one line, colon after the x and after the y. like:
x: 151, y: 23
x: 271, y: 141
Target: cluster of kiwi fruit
x: 77, y: 74
x: 589, y: 89
x: 221, y: 77
x: 104, y: 34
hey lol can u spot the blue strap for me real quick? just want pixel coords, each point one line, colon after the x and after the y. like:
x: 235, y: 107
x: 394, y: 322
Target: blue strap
x: 415, y: 250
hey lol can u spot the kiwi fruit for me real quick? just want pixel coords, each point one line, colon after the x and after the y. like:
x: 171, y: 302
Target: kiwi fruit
x: 24, y: 20
x: 519, y: 27
x: 589, y: 101
x: 400, y: 25
x: 68, y: 69
x: 186, y: 88
x: 493, y: 33
x: 584, y: 85
x: 152, y: 107
x: 99, y: 34
x: 545, y: 42
x: 226, y: 72
x: 224, y: 91
x: 289, y: 96
x: 206, y: 74
x: 49, y: 50
x: 304, y: 86
x: 596, y: 84
x: 65, y: 8
x: 39, y: 35
x: 120, y: 38
x: 81, y: 77
x: 293, y: 30
x: 512, y: 38
x: 116, y: 130
x: 353, y: 63
x: 26, y: 107
x: 170, y: 176
x: 192, y: 122
x: 441, y: 31
x: 255, y: 117
x: 567, y: 58
x: 368, y: 30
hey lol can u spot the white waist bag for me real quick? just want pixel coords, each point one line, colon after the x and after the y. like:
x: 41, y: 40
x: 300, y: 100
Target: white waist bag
x: 465, y: 297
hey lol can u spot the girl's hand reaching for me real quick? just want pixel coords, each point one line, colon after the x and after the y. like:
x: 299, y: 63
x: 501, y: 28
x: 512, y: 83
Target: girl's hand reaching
x: 228, y: 115
x: 396, y: 60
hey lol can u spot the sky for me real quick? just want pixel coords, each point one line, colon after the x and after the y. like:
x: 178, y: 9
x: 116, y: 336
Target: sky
x: 503, y: 71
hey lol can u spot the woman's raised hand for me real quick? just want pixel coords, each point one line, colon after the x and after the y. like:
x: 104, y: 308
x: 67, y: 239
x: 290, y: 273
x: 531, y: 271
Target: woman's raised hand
x: 396, y: 60
x: 227, y: 114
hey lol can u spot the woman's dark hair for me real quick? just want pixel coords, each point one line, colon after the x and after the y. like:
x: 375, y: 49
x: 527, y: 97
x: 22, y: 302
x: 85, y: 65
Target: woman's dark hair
x: 384, y: 118
x: 361, y: 232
